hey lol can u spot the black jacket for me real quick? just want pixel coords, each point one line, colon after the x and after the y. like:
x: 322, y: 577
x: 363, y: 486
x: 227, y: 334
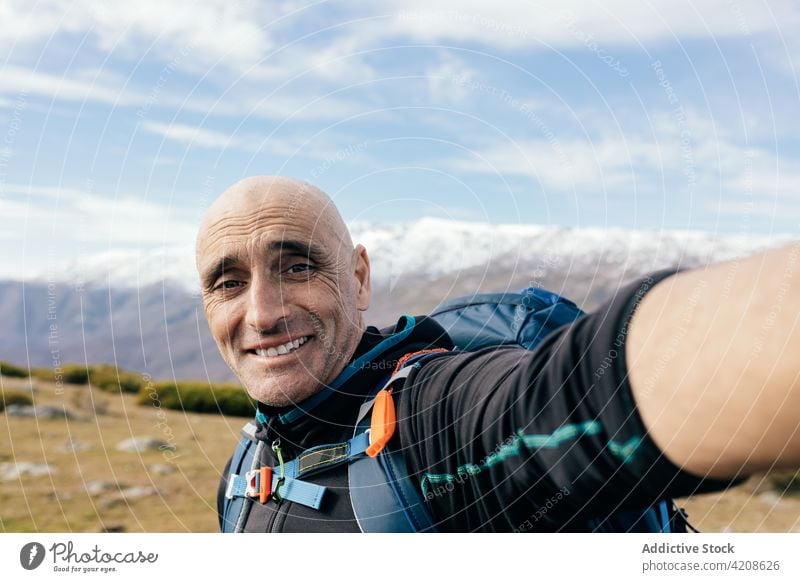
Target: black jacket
x: 501, y: 439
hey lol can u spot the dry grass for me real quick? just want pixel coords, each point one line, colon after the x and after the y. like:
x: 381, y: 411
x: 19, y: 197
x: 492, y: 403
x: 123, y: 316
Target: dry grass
x: 186, y: 498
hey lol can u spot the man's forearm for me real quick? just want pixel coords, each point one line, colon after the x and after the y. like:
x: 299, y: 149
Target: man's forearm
x: 714, y: 367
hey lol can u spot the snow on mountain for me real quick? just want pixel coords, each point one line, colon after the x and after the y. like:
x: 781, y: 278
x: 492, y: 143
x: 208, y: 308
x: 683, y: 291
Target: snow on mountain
x: 431, y: 247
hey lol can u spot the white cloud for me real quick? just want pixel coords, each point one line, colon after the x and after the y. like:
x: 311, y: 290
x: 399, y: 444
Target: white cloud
x: 447, y: 79
x: 517, y: 23
x: 693, y: 156
x: 55, y: 212
x: 24, y: 81
x: 560, y: 165
x: 53, y: 226
x: 192, y: 135
x: 209, y: 30
x: 331, y: 146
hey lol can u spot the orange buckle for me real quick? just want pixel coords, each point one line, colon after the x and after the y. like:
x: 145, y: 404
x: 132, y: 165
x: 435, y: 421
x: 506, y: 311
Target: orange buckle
x: 382, y: 423
x: 266, y: 484
x: 259, y: 484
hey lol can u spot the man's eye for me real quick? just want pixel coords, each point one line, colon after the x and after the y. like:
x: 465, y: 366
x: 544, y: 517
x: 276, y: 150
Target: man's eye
x: 299, y: 268
x: 229, y: 284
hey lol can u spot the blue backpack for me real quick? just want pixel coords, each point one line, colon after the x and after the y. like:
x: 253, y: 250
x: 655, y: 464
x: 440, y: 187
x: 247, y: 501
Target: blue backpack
x: 385, y: 498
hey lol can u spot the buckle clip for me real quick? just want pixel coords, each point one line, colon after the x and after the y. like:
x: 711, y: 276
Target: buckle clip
x: 259, y: 484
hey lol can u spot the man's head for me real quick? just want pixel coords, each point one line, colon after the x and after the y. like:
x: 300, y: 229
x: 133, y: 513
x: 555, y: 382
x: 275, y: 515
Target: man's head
x: 283, y: 286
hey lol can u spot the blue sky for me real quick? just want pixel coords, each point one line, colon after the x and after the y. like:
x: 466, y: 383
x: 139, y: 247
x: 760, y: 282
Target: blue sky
x: 120, y: 122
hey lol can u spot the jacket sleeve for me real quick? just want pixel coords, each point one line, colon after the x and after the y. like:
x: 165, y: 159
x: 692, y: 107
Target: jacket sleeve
x: 505, y: 439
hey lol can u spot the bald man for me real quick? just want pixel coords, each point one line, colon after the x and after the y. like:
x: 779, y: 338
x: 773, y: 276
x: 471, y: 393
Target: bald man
x: 704, y: 391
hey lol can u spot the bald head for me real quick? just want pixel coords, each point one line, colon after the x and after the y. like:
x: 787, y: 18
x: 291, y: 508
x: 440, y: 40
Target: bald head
x: 296, y: 199
x: 283, y: 286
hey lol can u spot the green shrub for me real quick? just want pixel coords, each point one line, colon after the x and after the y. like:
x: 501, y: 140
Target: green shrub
x: 12, y: 371
x: 199, y: 397
x: 104, y: 376
x: 48, y: 374
x: 9, y: 397
x: 75, y: 373
x: 112, y: 379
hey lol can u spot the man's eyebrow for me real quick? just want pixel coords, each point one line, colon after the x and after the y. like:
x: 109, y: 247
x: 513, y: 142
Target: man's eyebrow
x: 217, y: 270
x: 294, y: 247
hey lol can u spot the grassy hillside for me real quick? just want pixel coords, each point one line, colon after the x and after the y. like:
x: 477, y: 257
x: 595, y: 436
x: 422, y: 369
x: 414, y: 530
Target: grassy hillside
x: 179, y: 485
x: 95, y: 487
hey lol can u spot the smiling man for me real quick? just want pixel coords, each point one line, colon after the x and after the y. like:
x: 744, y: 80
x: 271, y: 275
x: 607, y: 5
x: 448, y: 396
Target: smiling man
x: 500, y: 439
x: 283, y: 287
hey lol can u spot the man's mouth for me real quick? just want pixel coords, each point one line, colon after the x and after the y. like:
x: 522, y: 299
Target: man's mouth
x: 282, y: 349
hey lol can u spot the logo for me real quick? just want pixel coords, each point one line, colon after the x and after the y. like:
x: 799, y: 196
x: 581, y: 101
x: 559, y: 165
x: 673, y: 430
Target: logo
x: 31, y: 555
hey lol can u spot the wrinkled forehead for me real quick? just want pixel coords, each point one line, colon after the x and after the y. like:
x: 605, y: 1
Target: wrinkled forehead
x: 257, y: 232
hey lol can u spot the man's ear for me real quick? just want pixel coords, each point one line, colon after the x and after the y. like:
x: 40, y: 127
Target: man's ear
x: 362, y: 274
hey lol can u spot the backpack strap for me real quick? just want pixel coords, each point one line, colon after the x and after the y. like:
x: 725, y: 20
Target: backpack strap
x: 283, y: 481
x: 243, y: 456
x: 384, y: 496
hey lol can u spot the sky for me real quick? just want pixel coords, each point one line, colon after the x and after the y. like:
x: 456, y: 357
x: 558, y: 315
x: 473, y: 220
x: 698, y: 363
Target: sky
x: 120, y: 122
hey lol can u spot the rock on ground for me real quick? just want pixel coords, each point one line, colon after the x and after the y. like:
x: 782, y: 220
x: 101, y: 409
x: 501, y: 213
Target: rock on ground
x: 143, y: 444
x: 14, y: 471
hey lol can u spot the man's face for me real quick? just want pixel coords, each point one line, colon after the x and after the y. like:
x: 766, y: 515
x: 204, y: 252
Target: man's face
x: 282, y: 295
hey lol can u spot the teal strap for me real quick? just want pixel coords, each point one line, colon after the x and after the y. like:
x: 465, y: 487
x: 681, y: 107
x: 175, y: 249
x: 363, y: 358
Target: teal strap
x: 302, y: 492
x: 237, y: 485
x: 296, y: 491
x: 293, y: 489
x: 359, y: 444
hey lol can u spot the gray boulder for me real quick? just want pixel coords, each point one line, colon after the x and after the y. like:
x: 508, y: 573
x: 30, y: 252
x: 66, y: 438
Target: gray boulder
x: 14, y: 471
x: 143, y: 444
x: 41, y: 411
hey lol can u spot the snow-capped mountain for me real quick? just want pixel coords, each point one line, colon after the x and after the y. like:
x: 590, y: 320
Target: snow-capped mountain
x: 432, y: 247
x: 142, y: 311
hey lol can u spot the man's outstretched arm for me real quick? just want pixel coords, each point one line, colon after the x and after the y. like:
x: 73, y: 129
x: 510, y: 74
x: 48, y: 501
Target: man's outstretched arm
x: 714, y: 366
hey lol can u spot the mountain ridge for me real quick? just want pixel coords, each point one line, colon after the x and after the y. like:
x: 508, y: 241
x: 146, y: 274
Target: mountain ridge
x: 143, y: 310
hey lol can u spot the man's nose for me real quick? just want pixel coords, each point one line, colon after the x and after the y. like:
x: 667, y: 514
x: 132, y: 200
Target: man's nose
x: 266, y: 308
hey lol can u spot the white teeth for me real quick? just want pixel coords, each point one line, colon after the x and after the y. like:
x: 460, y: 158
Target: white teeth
x: 282, y: 349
